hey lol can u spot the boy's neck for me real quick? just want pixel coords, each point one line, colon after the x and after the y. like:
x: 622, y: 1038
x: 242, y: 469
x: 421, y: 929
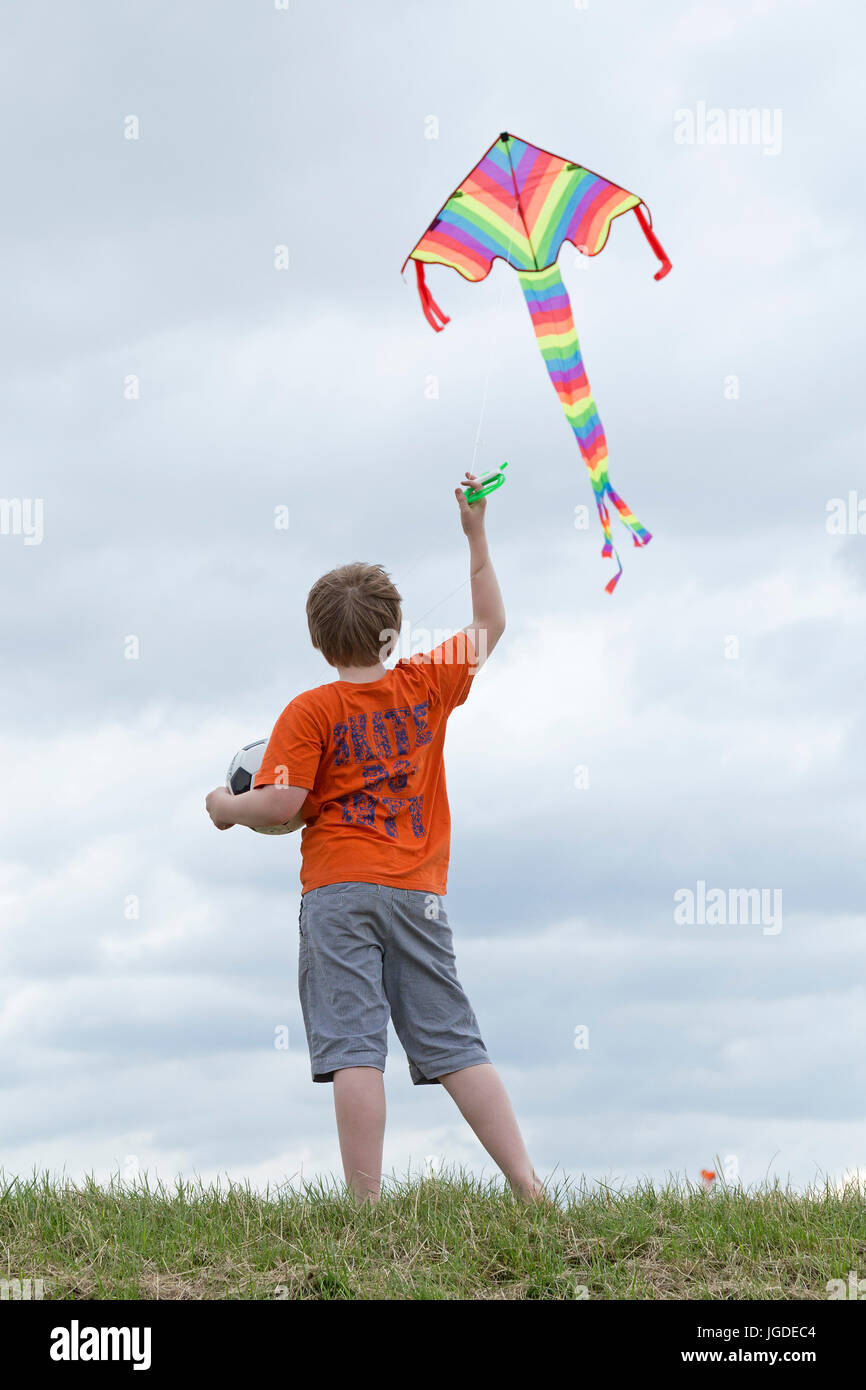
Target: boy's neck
x: 358, y: 675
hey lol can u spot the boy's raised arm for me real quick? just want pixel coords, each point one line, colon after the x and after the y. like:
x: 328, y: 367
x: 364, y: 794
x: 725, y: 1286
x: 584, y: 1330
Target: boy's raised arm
x: 488, y: 610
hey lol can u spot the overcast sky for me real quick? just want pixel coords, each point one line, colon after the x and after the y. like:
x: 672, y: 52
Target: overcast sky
x: 166, y: 385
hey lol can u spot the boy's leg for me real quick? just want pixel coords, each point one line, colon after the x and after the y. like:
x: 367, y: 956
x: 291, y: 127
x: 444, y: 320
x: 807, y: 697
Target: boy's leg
x: 359, y: 1101
x: 439, y: 1031
x: 346, y: 1018
x: 483, y: 1102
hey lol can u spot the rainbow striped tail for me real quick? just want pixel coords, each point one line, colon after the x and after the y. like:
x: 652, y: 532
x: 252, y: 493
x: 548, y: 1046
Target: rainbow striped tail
x: 553, y: 321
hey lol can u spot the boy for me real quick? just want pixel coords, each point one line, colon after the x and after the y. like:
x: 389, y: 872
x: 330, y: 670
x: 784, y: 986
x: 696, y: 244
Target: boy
x: 358, y: 763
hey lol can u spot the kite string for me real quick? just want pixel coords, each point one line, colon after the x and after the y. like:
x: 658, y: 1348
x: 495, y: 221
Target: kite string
x: 483, y: 410
x: 481, y: 415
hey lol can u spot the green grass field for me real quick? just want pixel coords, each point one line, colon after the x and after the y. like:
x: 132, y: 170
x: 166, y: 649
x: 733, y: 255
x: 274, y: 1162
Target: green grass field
x: 451, y: 1237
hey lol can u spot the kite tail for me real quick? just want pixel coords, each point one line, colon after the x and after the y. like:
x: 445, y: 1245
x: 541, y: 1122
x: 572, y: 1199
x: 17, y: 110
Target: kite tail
x: 432, y: 313
x: 655, y: 244
x: 552, y: 319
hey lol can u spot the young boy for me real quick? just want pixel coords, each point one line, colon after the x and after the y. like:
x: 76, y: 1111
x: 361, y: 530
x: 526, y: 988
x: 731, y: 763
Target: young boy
x: 358, y: 763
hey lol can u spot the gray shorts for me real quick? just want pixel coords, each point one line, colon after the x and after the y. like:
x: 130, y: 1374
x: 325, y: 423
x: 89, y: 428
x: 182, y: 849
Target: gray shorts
x: 370, y: 952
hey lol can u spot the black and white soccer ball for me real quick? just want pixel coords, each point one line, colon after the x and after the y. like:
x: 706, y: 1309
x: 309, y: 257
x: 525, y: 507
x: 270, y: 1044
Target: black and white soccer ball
x: 239, y: 778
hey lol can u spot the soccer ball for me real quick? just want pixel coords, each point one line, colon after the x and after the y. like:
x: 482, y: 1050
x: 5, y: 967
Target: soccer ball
x: 239, y: 778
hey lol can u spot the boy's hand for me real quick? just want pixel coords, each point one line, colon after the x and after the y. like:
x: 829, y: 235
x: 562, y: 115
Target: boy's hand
x: 216, y: 803
x: 488, y: 612
x: 471, y: 514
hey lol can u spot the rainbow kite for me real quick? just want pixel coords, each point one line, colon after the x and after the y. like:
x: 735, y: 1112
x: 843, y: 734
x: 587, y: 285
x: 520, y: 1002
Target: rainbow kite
x: 520, y: 203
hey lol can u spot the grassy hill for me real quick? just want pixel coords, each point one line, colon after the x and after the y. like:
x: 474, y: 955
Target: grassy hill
x: 451, y: 1237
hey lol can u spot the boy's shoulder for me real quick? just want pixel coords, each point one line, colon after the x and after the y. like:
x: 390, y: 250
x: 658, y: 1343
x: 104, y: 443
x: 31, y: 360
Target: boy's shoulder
x: 426, y: 671
x: 309, y: 701
x: 314, y: 694
x: 457, y: 649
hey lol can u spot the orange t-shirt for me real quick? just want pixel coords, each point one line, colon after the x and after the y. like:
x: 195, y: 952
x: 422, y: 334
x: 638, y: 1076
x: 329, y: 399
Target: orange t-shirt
x: 371, y: 754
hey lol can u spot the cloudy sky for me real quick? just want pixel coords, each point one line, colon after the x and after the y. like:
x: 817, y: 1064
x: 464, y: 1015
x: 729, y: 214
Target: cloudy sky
x: 168, y: 383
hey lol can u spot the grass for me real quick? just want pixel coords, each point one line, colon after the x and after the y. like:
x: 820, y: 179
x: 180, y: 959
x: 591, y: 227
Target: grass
x: 449, y: 1237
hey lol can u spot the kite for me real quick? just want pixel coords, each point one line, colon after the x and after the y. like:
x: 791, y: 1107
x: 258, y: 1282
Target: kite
x: 519, y: 204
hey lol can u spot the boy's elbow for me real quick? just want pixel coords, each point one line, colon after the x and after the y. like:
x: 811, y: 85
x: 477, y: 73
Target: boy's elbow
x: 487, y: 634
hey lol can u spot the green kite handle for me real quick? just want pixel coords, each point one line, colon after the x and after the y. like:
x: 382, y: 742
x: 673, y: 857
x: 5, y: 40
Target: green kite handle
x: 489, y: 482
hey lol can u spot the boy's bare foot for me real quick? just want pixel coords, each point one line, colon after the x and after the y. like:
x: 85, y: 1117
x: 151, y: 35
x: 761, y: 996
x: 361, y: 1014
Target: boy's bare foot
x: 534, y: 1191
